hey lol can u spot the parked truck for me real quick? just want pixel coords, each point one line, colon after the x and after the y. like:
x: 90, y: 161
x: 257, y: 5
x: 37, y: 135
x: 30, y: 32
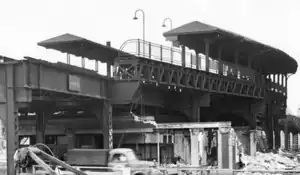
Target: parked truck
x: 114, y: 160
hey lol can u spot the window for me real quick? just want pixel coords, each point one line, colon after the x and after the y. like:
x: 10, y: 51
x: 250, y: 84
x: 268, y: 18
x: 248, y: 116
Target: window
x: 119, y: 158
x: 131, y: 155
x: 24, y: 141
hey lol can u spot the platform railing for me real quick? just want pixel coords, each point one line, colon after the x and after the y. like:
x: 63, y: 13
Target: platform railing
x: 173, y: 55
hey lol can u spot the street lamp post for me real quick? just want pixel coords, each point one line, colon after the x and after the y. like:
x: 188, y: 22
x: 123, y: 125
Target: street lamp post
x: 135, y: 18
x: 171, y: 23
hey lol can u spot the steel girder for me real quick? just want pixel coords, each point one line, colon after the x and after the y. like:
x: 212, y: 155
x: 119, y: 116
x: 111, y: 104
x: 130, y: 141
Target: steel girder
x: 152, y: 71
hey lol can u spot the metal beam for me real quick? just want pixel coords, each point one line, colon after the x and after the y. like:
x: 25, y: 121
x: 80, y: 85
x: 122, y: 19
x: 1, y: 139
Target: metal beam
x: 171, y: 75
x: 117, y: 131
x: 193, y: 125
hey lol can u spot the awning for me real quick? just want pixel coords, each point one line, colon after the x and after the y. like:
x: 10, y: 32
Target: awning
x: 82, y: 47
x: 193, y: 34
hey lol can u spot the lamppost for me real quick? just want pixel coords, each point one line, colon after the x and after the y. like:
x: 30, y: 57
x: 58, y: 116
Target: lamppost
x: 171, y: 23
x: 135, y: 18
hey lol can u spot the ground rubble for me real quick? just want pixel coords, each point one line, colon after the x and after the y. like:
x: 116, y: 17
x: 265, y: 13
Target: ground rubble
x: 275, y: 163
x: 272, y: 161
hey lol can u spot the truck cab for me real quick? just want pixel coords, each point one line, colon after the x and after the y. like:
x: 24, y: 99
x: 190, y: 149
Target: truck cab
x: 115, y: 159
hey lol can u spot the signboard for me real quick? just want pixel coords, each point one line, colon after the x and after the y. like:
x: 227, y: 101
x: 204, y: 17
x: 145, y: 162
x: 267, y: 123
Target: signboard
x: 74, y: 83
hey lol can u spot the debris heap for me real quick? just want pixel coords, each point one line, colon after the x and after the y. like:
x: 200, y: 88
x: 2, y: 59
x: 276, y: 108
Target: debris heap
x: 281, y: 161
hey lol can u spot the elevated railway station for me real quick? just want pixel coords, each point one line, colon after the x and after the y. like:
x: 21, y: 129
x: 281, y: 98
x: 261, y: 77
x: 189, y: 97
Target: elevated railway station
x: 212, y: 75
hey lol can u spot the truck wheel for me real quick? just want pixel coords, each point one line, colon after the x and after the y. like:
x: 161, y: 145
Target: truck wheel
x: 139, y: 174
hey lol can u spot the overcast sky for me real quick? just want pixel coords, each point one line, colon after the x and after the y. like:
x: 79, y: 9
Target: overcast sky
x: 23, y: 23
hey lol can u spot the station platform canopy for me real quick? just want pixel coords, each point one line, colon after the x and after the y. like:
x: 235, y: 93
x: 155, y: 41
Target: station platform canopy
x: 81, y: 47
x: 194, y: 33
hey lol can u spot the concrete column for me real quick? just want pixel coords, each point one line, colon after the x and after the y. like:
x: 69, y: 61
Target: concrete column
x: 291, y: 141
x: 202, y: 141
x: 232, y: 149
x: 253, y: 142
x: 223, y: 148
x: 286, y: 144
x: 282, y: 137
x: 194, y: 135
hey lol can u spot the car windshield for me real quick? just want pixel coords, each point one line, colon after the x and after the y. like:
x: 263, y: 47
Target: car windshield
x: 131, y: 155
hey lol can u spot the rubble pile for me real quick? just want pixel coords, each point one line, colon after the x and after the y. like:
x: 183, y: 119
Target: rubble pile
x: 272, y: 161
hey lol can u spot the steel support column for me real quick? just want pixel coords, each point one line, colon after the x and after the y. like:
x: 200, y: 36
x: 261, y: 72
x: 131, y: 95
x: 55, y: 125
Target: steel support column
x: 183, y: 54
x: 42, y: 119
x: 195, y: 109
x: 70, y: 133
x: 104, y: 116
x: 9, y: 110
x: 236, y: 63
x: 107, y: 129
x: 220, y: 63
x: 277, y: 132
x: 40, y: 128
x: 207, y: 52
x: 286, y: 121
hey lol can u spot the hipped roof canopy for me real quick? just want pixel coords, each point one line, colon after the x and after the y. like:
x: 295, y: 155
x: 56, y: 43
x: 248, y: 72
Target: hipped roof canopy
x: 82, y: 47
x: 270, y: 59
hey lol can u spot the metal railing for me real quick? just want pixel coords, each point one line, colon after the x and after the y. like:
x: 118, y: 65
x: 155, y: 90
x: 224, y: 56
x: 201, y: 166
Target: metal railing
x: 173, y: 56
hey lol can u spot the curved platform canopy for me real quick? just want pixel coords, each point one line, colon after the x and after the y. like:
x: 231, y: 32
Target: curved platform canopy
x: 81, y: 47
x: 193, y: 35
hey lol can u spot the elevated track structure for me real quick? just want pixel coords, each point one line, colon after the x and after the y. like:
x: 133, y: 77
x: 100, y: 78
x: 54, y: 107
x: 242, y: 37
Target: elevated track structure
x: 224, y: 77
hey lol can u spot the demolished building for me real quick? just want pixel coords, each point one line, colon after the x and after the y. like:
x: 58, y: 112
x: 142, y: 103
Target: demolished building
x: 214, y: 81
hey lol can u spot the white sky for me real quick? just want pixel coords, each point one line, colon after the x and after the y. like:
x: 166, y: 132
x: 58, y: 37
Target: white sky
x: 23, y: 23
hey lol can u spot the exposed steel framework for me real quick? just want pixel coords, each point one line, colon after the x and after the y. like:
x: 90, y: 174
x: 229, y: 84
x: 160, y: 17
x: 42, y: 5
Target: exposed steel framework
x: 156, y: 68
x: 27, y: 84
